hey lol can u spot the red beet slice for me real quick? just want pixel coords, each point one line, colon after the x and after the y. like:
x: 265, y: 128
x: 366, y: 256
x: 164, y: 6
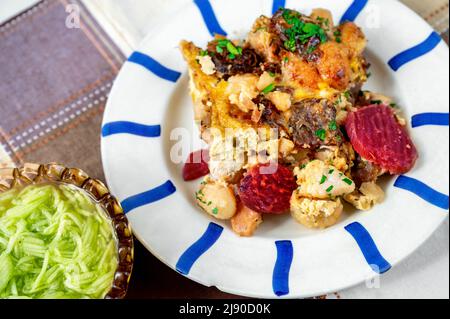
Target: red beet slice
x: 377, y: 136
x: 196, y: 165
x: 267, y: 193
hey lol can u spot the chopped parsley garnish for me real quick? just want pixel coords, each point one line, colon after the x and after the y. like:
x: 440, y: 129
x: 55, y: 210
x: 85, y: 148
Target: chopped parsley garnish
x: 332, y: 126
x: 331, y: 171
x: 329, y: 189
x: 215, y: 211
x: 376, y: 102
x: 269, y: 88
x: 323, y: 180
x: 301, y: 31
x: 203, y: 53
x: 303, y: 166
x: 231, y: 48
x: 272, y: 74
x: 321, y: 134
x: 291, y: 45
x: 324, y: 21
x: 337, y: 35
x: 347, y: 181
x: 286, y: 60
x: 347, y: 95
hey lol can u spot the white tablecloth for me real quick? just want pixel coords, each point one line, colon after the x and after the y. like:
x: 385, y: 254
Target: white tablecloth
x: 425, y: 274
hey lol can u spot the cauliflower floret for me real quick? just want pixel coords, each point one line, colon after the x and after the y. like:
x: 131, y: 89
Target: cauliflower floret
x: 242, y: 89
x: 286, y: 146
x: 369, y: 195
x: 281, y: 100
x: 208, y: 66
x: 321, y: 181
x: 262, y: 41
x: 225, y: 160
x: 314, y: 213
x: 239, y: 150
x: 265, y: 80
x: 341, y: 157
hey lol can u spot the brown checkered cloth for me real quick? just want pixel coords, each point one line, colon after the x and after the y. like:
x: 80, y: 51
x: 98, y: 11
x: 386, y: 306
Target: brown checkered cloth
x: 55, y: 82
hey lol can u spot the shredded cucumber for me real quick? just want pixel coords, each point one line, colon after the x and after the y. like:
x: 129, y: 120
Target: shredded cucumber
x: 55, y: 242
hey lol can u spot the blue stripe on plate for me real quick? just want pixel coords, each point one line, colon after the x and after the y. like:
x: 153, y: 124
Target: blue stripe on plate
x: 368, y: 248
x: 193, y: 253
x: 154, y: 66
x: 123, y: 127
x: 210, y: 17
x: 354, y: 10
x: 430, y: 119
x: 277, y: 4
x: 148, y: 197
x: 415, y: 52
x: 423, y: 191
x: 280, y: 279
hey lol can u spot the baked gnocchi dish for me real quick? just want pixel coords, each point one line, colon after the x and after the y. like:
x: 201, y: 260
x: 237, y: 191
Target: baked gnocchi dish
x: 289, y: 127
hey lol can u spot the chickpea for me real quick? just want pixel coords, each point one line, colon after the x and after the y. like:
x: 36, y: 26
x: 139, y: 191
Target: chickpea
x: 217, y: 199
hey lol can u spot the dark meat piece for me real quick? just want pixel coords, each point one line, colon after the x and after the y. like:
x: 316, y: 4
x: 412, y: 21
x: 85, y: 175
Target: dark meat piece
x: 247, y: 62
x: 313, y: 123
x: 365, y: 172
x: 270, y: 114
x: 271, y: 67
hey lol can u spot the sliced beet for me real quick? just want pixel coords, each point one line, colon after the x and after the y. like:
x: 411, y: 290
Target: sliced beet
x: 378, y: 137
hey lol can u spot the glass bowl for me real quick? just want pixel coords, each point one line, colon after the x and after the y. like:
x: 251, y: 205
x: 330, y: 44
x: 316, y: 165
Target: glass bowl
x: 31, y: 174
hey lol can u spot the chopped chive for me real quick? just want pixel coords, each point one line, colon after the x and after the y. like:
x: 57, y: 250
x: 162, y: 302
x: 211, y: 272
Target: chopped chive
x: 332, y: 126
x: 348, y: 181
x: 290, y: 45
x: 203, y: 53
x: 323, y: 180
x: 272, y: 74
x: 376, y: 102
x: 232, y: 49
x: 331, y: 171
x: 329, y: 189
x: 321, y: 134
x: 269, y: 88
x: 347, y: 95
x: 219, y: 49
x: 393, y: 105
x: 215, y: 211
x: 303, y: 166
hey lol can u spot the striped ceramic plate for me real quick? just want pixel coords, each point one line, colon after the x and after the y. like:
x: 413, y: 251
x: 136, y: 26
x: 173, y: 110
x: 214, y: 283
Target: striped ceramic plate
x: 149, y: 116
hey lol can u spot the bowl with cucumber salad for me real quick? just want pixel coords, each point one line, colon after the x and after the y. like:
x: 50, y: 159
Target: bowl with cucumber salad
x: 62, y: 236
